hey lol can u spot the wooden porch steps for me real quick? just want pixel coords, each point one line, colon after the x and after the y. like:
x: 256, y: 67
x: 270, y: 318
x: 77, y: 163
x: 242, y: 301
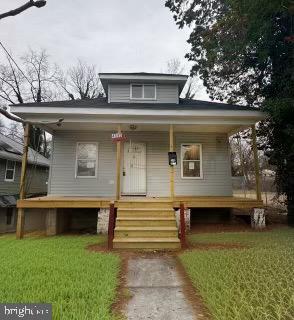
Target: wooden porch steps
x: 146, y: 232
x: 146, y: 243
x: 144, y: 212
x: 146, y: 225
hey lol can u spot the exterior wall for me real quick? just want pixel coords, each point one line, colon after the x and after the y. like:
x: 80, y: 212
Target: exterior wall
x: 36, y: 179
x: 217, y: 179
x: 216, y: 164
x: 165, y: 93
x: 62, y: 175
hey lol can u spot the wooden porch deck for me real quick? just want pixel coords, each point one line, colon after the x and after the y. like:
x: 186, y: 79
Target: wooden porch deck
x: 97, y: 202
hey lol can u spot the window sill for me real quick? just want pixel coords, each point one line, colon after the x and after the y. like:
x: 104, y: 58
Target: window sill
x: 144, y: 99
x: 192, y: 178
x: 81, y: 177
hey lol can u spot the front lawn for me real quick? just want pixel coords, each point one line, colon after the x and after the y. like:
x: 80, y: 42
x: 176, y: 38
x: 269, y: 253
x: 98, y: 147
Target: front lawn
x: 254, y: 283
x: 58, y: 270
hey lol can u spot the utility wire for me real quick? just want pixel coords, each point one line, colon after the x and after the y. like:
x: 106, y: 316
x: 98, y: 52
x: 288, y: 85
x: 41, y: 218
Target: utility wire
x: 17, y: 66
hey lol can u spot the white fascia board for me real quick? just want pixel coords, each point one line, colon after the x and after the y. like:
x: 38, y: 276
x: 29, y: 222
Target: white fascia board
x: 137, y: 112
x: 161, y: 120
x: 142, y: 77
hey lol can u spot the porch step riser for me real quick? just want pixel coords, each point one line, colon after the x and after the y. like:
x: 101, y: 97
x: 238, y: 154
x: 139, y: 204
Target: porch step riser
x: 146, y: 205
x: 147, y: 245
x: 145, y: 234
x: 146, y: 223
x: 140, y: 214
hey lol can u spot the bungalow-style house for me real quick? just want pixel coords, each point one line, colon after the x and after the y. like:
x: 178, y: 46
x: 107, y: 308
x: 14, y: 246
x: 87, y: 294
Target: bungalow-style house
x: 10, y: 170
x: 143, y: 148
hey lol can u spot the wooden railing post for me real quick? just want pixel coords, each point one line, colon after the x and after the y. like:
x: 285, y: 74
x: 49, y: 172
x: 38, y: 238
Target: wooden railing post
x: 118, y: 165
x: 256, y: 164
x: 172, y: 169
x: 111, y: 225
x: 22, y: 194
x: 182, y: 226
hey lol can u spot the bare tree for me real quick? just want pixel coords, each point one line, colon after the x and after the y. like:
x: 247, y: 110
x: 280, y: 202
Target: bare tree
x: 15, y: 130
x: 81, y: 82
x: 191, y: 89
x: 27, y: 5
x: 2, y: 126
x: 41, y: 76
x: 33, y: 79
x: 174, y: 66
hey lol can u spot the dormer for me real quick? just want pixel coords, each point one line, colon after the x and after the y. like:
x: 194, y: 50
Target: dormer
x: 143, y: 87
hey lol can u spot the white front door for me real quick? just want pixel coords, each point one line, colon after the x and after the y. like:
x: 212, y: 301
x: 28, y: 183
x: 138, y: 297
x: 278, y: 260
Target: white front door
x: 134, y: 169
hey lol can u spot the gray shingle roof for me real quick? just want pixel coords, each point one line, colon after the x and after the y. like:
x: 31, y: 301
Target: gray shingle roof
x: 12, y: 150
x: 184, y: 104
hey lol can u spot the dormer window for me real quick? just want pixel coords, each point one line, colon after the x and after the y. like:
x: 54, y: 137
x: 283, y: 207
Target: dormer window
x: 143, y: 91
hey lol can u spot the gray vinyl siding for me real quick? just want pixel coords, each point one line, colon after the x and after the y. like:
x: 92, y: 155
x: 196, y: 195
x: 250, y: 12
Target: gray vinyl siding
x: 36, y: 179
x: 216, y: 164
x: 62, y: 176
x: 165, y: 93
x: 217, y: 179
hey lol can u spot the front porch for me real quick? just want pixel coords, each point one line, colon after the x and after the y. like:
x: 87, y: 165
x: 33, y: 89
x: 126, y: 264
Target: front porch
x: 56, y: 202
x: 133, y: 222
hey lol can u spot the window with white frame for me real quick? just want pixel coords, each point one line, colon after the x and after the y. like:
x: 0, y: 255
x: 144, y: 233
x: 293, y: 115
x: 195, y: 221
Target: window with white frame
x: 86, y: 160
x: 10, y: 170
x: 143, y: 91
x: 191, y: 161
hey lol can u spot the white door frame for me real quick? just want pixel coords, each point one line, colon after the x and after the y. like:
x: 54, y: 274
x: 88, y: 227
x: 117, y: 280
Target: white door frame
x: 126, y: 189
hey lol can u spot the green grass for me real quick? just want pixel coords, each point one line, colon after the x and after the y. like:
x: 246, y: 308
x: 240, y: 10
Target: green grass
x: 245, y: 284
x: 58, y: 270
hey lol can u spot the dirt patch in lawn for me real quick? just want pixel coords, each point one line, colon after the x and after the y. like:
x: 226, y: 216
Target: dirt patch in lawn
x: 123, y: 295
x: 101, y: 247
x: 191, y: 293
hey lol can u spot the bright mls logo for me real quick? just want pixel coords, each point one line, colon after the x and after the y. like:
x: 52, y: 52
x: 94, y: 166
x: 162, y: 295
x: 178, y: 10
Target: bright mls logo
x: 26, y: 311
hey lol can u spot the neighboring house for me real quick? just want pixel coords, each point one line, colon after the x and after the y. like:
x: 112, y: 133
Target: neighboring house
x: 175, y: 150
x: 10, y: 169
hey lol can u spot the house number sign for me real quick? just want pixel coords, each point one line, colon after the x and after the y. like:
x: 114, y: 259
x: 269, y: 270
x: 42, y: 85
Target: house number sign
x: 118, y: 136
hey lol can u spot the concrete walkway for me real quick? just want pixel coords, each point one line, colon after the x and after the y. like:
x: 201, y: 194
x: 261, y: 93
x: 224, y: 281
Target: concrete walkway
x: 157, y: 290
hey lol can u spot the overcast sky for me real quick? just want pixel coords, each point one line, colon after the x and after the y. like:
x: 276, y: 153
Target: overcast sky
x: 115, y: 35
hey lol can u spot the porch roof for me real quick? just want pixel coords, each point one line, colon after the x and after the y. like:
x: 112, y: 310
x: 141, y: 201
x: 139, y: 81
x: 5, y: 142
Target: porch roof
x: 184, y: 104
x: 98, y: 114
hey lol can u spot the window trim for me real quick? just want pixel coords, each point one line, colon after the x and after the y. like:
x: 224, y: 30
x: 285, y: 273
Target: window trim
x: 76, y: 164
x: 201, y: 162
x: 143, y: 85
x: 10, y: 180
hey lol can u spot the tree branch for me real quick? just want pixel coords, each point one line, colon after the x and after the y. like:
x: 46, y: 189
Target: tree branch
x: 27, y: 5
